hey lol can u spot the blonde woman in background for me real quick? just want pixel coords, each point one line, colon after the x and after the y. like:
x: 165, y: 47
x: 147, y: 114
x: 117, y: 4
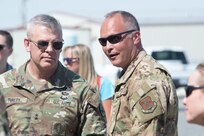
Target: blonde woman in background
x: 78, y: 58
x: 194, y: 99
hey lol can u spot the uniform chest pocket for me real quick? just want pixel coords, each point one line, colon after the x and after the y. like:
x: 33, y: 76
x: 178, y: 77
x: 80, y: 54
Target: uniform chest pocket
x: 62, y: 113
x: 61, y: 107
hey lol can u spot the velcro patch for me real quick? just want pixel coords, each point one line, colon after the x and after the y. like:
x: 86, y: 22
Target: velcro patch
x: 148, y: 105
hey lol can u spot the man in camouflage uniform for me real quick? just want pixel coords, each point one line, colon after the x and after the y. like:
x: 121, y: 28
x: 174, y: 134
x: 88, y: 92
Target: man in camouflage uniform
x: 4, y: 129
x: 43, y: 97
x: 6, y: 49
x: 145, y: 101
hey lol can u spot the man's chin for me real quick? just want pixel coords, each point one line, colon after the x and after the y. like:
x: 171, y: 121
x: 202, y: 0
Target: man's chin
x: 189, y: 120
x: 115, y: 64
x: 48, y: 65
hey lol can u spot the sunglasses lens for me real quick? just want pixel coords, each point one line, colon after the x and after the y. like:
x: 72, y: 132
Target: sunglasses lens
x: 115, y: 39
x: 102, y: 41
x: 43, y: 43
x: 68, y: 60
x: 57, y: 45
x: 189, y: 90
x: 1, y: 47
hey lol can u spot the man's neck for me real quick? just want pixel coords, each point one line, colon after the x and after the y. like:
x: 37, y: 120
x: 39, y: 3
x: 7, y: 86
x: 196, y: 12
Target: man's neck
x: 3, y: 67
x: 39, y: 74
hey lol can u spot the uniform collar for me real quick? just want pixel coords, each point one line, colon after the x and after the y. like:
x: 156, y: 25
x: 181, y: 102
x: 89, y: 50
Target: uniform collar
x: 125, y: 74
x: 23, y: 80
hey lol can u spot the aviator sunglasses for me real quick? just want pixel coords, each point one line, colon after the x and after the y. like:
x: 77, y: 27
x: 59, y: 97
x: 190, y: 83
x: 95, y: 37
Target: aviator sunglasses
x: 70, y: 60
x: 57, y: 45
x: 115, y: 38
x: 2, y: 46
x: 189, y: 89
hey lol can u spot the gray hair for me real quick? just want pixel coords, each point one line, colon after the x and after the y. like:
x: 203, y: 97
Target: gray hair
x: 44, y: 20
x: 127, y: 18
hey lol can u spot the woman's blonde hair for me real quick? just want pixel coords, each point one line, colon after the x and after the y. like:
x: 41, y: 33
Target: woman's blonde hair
x: 86, y: 63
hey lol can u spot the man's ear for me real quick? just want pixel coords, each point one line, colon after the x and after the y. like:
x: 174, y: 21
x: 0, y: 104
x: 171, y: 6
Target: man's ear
x: 136, y: 37
x: 10, y: 51
x: 27, y: 45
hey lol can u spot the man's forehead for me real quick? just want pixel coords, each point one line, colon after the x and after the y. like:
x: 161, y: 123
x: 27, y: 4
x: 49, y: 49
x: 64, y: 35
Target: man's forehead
x: 112, y: 28
x: 114, y: 22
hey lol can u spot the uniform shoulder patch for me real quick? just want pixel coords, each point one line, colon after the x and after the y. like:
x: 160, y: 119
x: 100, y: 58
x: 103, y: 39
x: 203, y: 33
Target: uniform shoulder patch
x: 148, y: 105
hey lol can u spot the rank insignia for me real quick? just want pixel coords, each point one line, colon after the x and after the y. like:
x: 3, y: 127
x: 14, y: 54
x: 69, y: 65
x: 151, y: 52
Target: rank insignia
x: 148, y: 106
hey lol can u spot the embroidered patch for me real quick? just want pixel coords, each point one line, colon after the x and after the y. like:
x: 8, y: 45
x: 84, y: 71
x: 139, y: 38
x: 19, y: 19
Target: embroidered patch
x: 148, y: 105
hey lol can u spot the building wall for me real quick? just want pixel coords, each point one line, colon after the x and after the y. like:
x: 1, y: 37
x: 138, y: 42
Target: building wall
x: 189, y: 37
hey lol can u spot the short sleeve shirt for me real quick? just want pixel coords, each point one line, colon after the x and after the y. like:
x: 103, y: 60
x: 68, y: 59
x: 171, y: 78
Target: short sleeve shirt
x: 106, y: 89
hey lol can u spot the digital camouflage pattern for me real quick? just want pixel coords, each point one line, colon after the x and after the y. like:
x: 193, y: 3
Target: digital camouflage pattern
x: 64, y: 106
x: 4, y: 129
x: 145, y: 101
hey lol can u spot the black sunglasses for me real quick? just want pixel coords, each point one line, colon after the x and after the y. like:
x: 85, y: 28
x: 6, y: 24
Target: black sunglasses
x: 189, y: 89
x: 2, y: 46
x: 57, y: 45
x: 70, y: 60
x: 115, y: 38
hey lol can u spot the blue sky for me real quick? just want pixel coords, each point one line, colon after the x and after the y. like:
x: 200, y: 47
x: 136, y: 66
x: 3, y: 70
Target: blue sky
x: 11, y: 10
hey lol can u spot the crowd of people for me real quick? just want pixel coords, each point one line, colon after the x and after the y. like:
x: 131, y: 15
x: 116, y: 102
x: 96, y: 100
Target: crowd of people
x: 45, y: 97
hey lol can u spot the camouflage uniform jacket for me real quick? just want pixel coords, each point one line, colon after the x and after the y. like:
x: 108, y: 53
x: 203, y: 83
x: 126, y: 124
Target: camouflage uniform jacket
x: 64, y: 106
x: 145, y: 101
x: 4, y: 129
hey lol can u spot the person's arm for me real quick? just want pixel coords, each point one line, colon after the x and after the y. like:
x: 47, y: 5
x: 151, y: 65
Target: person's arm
x: 92, y: 122
x: 157, y: 109
x: 4, y: 129
x: 106, y: 93
x: 107, y: 107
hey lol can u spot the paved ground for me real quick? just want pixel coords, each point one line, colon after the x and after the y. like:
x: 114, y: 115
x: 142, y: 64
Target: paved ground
x: 184, y: 128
